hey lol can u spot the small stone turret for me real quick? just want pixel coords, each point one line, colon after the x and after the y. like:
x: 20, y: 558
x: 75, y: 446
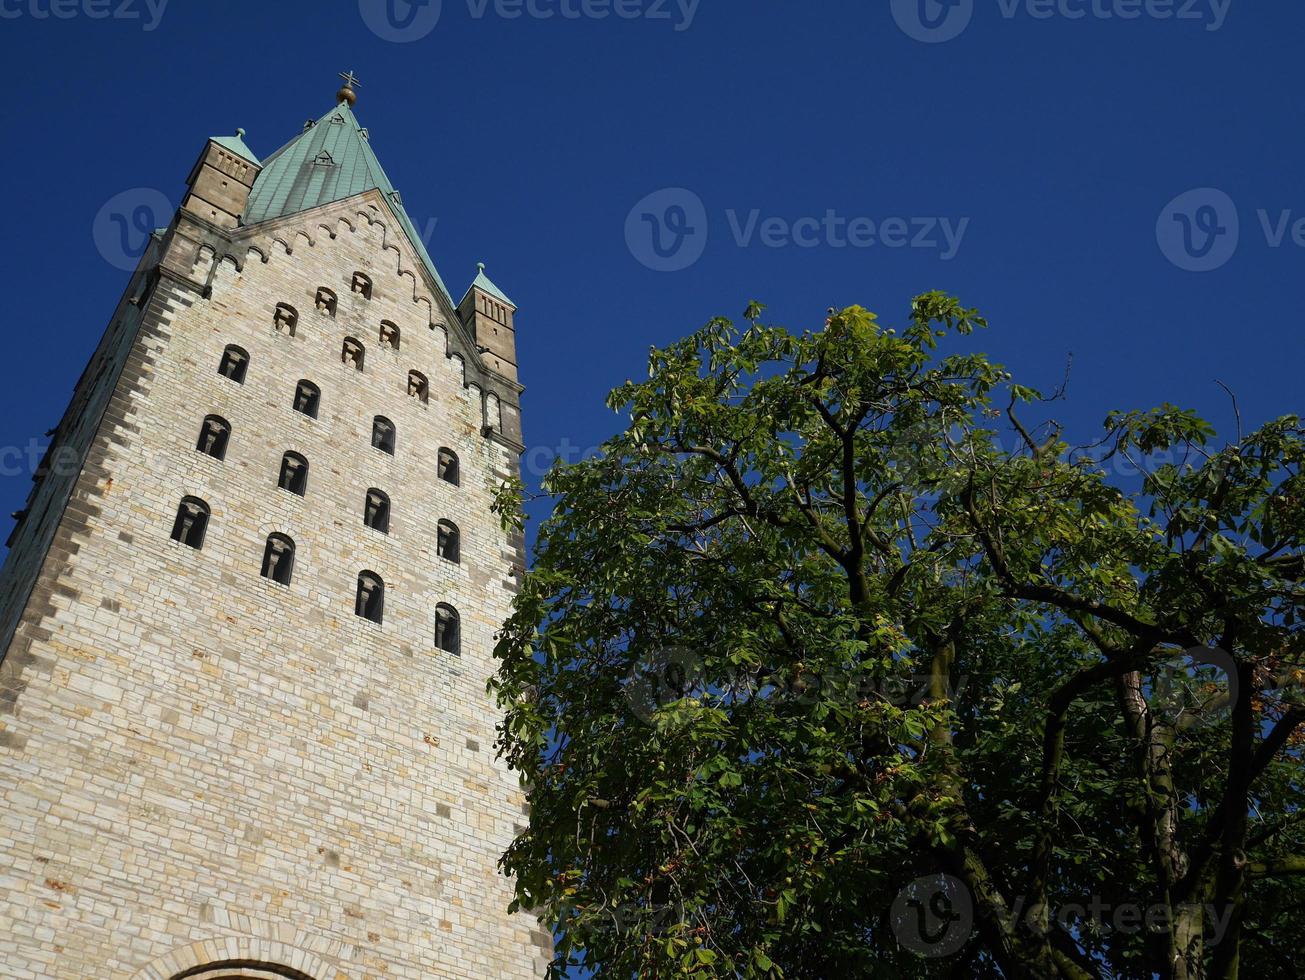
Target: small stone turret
x: 487, y: 312
x: 220, y: 182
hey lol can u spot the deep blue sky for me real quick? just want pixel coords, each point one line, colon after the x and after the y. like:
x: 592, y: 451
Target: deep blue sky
x: 529, y: 141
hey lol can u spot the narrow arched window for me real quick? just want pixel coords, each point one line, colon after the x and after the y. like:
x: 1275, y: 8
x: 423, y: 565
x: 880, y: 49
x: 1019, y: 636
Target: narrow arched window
x: 279, y: 559
x: 447, y: 541
x: 213, y: 436
x: 191, y: 522
x: 353, y: 353
x: 294, y: 474
x: 362, y: 285
x: 285, y: 319
x: 370, y: 601
x: 376, y: 511
x: 326, y: 301
x: 418, y: 386
x: 389, y: 335
x: 383, y: 434
x: 235, y: 361
x: 447, y: 466
x: 307, y: 397
x: 448, y: 629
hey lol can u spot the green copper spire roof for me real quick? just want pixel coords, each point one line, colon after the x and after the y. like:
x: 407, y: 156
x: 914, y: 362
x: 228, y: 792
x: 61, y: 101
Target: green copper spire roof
x: 483, y: 281
x: 236, y: 144
x: 332, y: 159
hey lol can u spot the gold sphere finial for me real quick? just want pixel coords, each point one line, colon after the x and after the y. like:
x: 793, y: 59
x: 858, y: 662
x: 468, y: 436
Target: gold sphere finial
x: 347, y: 94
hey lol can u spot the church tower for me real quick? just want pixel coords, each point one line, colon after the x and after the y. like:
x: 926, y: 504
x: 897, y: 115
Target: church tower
x: 248, y: 614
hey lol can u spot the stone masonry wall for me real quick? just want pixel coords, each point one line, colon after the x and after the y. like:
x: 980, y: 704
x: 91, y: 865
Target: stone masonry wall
x: 201, y: 760
x: 55, y: 476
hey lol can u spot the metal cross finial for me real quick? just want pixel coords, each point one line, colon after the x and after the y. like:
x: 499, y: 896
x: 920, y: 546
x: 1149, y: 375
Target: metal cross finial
x: 347, y: 94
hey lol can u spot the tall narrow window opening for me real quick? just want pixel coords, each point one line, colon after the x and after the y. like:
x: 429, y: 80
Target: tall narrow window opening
x: 235, y: 361
x: 447, y: 466
x: 448, y: 629
x: 326, y: 301
x: 294, y: 474
x: 383, y: 434
x: 418, y: 387
x: 285, y: 318
x: 376, y: 511
x: 279, y: 559
x: 370, y: 600
x: 191, y: 522
x: 353, y: 353
x: 448, y: 541
x: 213, y: 436
x: 307, y: 397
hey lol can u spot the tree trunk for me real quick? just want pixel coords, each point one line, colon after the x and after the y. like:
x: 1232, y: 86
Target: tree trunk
x: 1188, y: 943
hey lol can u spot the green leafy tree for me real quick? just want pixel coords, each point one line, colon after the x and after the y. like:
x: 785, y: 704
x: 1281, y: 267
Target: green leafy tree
x: 833, y: 665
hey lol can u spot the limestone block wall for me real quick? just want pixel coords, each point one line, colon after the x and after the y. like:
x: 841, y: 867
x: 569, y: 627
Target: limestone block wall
x: 53, y: 481
x: 202, y: 759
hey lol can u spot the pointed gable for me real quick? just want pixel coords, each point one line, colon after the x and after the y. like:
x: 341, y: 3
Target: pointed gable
x: 331, y: 160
